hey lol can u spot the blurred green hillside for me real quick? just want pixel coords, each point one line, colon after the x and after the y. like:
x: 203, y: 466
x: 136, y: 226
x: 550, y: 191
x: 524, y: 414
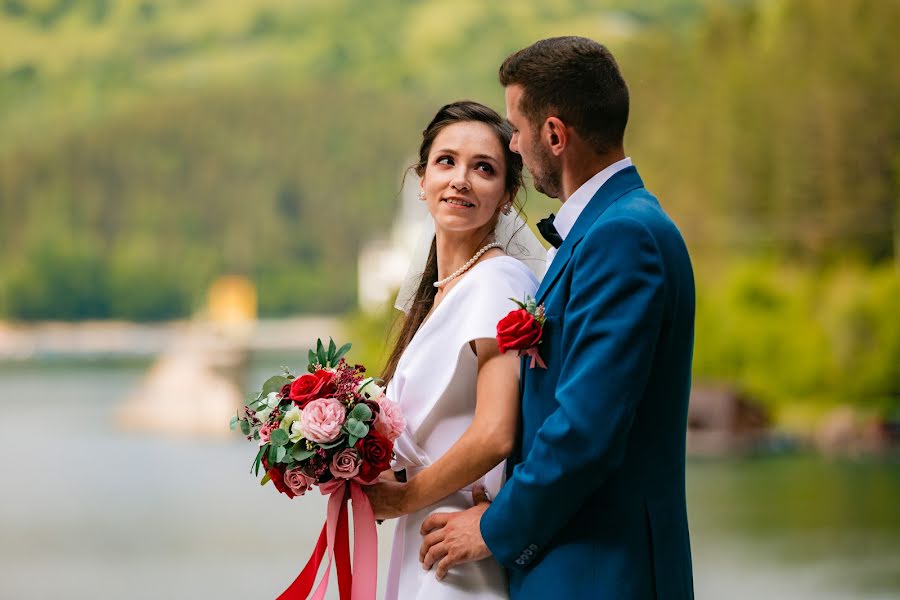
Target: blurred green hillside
x: 149, y: 147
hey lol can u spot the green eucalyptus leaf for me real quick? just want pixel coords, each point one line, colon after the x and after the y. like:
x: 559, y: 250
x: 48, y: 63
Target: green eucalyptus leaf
x: 232, y: 425
x: 279, y: 437
x: 356, y: 428
x: 245, y: 427
x: 361, y: 412
x: 333, y: 444
x: 351, y: 440
x: 300, y: 453
x: 274, y: 384
x: 280, y: 453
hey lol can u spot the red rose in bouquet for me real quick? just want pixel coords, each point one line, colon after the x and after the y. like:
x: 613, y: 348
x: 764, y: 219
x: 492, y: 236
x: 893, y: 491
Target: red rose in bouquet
x: 375, y: 450
x: 518, y: 330
x: 309, y: 387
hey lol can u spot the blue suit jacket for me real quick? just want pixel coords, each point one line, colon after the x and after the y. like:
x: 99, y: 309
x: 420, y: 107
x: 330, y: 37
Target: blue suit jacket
x: 594, y: 506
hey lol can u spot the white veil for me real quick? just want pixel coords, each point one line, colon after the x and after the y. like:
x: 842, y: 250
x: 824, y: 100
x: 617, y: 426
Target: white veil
x: 517, y: 239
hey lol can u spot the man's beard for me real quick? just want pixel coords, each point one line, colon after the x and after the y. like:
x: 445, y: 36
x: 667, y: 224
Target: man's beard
x: 546, y: 177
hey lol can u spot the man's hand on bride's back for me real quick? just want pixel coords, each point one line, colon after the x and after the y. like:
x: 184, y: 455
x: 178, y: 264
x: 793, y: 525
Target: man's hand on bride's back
x: 454, y: 538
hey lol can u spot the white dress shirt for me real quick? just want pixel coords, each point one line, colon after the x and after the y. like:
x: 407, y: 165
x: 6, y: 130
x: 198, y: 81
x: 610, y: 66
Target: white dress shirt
x: 571, y: 208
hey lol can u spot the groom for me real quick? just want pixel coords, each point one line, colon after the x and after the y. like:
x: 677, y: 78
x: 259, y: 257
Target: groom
x: 594, y: 505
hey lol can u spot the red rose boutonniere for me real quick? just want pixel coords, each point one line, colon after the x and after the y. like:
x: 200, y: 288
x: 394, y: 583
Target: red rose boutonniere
x: 522, y: 330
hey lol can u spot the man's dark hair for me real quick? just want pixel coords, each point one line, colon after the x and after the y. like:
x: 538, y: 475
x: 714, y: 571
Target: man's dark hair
x: 576, y: 80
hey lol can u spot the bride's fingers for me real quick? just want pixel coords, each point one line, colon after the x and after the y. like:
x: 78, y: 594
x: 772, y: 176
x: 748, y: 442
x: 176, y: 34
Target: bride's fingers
x: 434, y: 554
x: 435, y: 521
x: 430, y: 540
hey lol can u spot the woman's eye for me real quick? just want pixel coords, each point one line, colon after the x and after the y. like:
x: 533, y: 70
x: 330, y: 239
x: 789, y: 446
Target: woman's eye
x: 485, y: 167
x: 444, y: 160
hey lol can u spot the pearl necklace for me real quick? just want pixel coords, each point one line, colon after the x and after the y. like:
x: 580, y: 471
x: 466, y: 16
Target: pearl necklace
x: 467, y: 266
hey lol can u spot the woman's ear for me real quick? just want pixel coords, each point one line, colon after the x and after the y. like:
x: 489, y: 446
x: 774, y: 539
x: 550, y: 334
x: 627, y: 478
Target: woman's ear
x: 506, y: 203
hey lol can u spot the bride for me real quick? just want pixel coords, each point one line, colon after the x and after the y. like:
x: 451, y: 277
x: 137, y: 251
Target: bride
x: 459, y: 395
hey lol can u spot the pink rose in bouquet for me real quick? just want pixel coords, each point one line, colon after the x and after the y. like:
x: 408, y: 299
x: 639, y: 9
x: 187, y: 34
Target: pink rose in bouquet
x: 298, y: 481
x: 322, y: 419
x: 345, y: 464
x: 265, y: 431
x: 389, y: 420
x: 276, y: 476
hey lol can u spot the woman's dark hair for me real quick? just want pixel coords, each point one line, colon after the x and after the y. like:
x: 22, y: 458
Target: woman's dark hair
x: 575, y: 79
x: 464, y: 111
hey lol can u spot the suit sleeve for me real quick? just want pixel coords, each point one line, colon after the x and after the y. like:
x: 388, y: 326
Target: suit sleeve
x: 609, y: 334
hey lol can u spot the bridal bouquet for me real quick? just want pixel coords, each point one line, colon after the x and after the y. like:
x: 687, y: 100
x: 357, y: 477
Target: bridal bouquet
x: 331, y: 427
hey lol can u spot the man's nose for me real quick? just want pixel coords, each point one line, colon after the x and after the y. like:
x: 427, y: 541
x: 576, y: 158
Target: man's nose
x: 514, y: 143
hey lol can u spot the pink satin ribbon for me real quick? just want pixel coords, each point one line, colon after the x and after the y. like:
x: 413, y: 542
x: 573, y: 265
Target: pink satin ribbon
x: 359, y: 584
x: 535, y: 357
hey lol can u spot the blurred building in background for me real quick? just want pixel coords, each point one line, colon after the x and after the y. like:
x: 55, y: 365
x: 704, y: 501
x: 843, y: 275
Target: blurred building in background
x: 384, y: 261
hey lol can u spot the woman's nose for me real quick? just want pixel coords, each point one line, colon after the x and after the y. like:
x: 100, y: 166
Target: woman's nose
x: 459, y: 181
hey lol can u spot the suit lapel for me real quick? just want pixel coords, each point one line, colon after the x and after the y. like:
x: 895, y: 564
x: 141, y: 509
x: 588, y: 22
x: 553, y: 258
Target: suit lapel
x: 617, y: 186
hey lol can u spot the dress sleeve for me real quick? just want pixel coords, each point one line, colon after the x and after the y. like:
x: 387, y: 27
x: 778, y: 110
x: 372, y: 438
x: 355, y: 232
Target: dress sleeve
x: 471, y: 313
x: 489, y: 298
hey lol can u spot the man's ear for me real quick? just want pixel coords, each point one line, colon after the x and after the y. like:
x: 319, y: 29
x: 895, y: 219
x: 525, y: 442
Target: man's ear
x: 556, y: 135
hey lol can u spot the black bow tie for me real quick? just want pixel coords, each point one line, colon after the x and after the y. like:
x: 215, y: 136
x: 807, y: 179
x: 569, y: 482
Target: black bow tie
x: 548, y: 231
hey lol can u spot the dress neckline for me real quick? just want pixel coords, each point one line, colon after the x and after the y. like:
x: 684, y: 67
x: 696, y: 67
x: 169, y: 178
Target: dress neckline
x: 417, y: 335
x: 435, y: 309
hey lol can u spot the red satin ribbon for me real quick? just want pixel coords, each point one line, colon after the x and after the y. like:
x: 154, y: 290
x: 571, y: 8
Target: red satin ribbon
x: 335, y: 539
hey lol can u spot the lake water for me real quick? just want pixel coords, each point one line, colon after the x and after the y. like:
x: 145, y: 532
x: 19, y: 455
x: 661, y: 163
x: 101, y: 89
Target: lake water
x: 88, y: 511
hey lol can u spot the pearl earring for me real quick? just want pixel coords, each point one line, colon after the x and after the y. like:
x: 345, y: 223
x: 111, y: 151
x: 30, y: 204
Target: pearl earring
x: 507, y: 208
x: 421, y: 194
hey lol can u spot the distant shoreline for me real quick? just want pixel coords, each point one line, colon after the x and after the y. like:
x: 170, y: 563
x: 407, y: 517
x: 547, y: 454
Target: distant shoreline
x: 28, y: 341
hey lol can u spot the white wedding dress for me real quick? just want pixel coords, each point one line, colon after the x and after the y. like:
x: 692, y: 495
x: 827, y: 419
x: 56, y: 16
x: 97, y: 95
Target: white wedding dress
x: 435, y: 386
